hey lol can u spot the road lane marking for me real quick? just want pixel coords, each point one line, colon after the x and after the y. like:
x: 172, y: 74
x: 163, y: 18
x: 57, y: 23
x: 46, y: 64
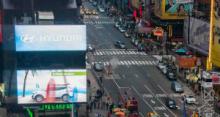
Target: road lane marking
x: 136, y: 62
x: 115, y: 82
x: 161, y: 95
x: 152, y: 101
x: 165, y: 115
x: 161, y: 89
x: 133, y: 62
x: 161, y: 108
x: 160, y: 101
x: 149, y: 89
x: 147, y: 96
x: 135, y: 90
x: 140, y: 113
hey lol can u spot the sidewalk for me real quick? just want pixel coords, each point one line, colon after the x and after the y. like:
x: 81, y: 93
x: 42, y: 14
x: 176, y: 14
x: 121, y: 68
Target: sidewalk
x: 92, y: 92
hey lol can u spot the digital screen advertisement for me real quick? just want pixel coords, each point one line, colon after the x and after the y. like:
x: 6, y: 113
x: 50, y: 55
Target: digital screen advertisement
x: 50, y: 37
x: 51, y: 86
x: 178, y: 7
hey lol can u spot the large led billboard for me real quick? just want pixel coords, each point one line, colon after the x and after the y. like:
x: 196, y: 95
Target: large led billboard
x: 178, y: 7
x: 50, y: 37
x: 173, y: 9
x: 51, y: 86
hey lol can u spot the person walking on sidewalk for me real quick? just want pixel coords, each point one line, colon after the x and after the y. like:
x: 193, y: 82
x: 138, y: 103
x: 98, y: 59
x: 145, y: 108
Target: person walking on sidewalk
x: 108, y: 102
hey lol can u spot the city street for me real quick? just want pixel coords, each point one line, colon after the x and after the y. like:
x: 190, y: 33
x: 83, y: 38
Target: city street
x: 132, y: 69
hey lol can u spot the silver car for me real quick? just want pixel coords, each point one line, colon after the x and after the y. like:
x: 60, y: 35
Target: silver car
x: 176, y: 87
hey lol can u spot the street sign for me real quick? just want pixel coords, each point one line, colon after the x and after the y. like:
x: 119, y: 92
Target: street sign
x: 158, y: 31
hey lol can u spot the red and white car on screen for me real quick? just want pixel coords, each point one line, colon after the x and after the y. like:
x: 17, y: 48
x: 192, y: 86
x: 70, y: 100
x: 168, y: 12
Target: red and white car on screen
x: 60, y: 91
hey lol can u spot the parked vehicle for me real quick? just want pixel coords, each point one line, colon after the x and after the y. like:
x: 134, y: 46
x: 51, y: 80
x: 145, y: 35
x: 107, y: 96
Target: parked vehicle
x: 176, y: 87
x: 170, y: 103
x: 120, y: 45
x: 98, y: 67
x: 141, y: 47
x: 122, y: 29
x: 190, y: 99
x: 101, y: 9
x: 171, y: 74
x: 94, y: 12
x: 162, y: 67
x: 90, y: 48
x: 62, y: 91
x: 117, y: 24
x: 136, y: 42
x: 127, y: 34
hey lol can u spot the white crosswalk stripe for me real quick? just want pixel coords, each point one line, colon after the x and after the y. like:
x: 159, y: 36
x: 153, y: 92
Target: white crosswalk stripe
x: 118, y: 52
x: 131, y: 62
x: 149, y: 63
x: 122, y: 62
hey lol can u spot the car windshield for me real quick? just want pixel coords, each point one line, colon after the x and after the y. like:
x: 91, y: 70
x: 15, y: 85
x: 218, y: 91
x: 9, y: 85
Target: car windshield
x: 171, y: 102
x: 190, y: 97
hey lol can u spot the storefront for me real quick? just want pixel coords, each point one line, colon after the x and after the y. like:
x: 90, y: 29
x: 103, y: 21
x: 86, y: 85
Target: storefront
x: 171, y: 18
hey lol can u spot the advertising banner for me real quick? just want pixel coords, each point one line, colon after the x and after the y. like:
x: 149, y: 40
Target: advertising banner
x: 51, y: 86
x: 178, y: 7
x: 198, y: 34
x: 216, y: 34
x: 50, y: 37
x: 1, y: 21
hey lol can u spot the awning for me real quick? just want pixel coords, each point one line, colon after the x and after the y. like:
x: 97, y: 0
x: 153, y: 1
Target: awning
x: 199, y: 50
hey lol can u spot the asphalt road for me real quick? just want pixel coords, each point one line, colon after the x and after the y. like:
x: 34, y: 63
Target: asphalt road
x: 131, y: 69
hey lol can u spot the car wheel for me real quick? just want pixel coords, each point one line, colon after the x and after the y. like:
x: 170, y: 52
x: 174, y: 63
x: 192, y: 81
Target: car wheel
x: 39, y: 98
x: 65, y: 97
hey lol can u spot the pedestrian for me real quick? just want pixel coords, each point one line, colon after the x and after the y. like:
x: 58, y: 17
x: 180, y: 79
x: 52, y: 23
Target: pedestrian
x: 90, y: 106
x: 104, y: 102
x: 100, y: 79
x: 94, y: 103
x: 107, y: 102
x: 88, y: 82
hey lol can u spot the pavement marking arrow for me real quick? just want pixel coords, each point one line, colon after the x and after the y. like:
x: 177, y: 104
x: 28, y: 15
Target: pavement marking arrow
x: 136, y: 91
x: 152, y: 101
x: 165, y: 115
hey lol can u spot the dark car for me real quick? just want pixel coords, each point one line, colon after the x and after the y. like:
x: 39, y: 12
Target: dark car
x: 120, y: 45
x: 98, y: 67
x: 171, y: 103
x: 171, y: 75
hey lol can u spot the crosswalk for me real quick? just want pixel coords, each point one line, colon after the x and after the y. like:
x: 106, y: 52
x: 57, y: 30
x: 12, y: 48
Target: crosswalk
x: 98, y: 22
x: 130, y: 62
x: 118, y: 52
